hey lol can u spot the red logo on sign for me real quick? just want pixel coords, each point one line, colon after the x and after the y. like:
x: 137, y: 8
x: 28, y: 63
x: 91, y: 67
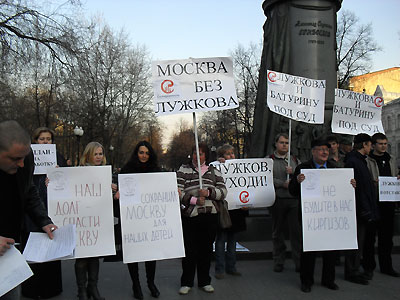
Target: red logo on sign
x: 272, y: 76
x: 244, y: 197
x: 378, y: 101
x: 166, y: 86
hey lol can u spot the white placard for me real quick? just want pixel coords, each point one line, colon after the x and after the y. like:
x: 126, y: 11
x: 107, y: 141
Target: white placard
x: 193, y: 85
x: 13, y: 270
x: 82, y: 196
x: 249, y: 182
x: 355, y: 113
x: 298, y: 98
x: 45, y: 157
x: 150, y: 217
x: 389, y: 189
x: 328, y: 210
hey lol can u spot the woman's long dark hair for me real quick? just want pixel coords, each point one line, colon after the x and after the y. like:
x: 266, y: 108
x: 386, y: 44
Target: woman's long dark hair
x: 135, y: 166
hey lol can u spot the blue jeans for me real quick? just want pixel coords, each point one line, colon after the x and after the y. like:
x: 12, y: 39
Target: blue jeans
x: 14, y: 294
x: 225, y: 261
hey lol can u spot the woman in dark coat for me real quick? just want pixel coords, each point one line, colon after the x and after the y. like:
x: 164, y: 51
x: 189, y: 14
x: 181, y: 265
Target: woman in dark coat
x: 46, y: 281
x: 142, y: 160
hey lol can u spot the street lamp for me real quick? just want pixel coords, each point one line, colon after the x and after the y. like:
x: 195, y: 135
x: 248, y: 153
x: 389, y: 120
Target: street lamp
x: 78, y: 131
x: 111, y: 154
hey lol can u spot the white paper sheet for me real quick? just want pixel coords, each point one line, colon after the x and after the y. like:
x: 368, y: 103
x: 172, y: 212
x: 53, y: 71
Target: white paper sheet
x: 40, y: 248
x: 13, y: 270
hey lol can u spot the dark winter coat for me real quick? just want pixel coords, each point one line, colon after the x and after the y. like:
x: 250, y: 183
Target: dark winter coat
x: 366, y: 206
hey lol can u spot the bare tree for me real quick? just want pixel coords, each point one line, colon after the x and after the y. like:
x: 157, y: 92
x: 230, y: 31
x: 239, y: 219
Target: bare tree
x: 179, y: 148
x: 355, y: 45
x: 234, y: 126
x: 24, y: 22
x: 110, y: 85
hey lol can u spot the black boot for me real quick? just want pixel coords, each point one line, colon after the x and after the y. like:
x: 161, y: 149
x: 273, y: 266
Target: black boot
x: 134, y: 273
x: 153, y: 290
x: 93, y: 268
x: 81, y: 278
x: 150, y: 274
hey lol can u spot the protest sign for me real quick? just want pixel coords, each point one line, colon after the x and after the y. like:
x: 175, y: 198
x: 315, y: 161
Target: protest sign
x: 82, y: 196
x: 249, y: 182
x: 389, y: 189
x: 328, y: 210
x: 193, y: 85
x: 298, y: 98
x: 355, y: 113
x: 45, y: 157
x: 150, y: 217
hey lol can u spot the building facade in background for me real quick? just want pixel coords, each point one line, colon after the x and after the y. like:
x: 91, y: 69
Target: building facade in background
x: 386, y: 84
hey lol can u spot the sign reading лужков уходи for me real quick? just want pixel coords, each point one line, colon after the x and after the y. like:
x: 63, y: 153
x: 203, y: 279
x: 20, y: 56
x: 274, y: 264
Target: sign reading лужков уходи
x: 298, y: 98
x: 355, y: 113
x: 193, y: 85
x: 249, y: 182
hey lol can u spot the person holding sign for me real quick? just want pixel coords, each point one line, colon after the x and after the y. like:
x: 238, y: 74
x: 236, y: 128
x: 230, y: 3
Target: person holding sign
x: 286, y: 207
x: 46, y: 281
x: 366, y: 207
x: 142, y: 160
x: 87, y: 269
x: 199, y: 218
x: 380, y: 163
x: 319, y: 160
x: 19, y: 194
x: 226, y: 261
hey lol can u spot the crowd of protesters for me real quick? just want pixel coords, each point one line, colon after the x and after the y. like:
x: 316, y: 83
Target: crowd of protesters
x: 25, y: 204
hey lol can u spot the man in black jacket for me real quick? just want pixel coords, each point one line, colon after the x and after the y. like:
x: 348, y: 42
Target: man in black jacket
x: 380, y: 163
x: 18, y: 193
x: 319, y: 160
x: 366, y: 206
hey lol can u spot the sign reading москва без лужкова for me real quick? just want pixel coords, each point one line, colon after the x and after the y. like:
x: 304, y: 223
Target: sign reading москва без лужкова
x: 355, y: 113
x: 193, y: 85
x: 298, y: 98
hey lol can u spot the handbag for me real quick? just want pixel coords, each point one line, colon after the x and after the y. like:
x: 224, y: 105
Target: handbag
x: 224, y: 219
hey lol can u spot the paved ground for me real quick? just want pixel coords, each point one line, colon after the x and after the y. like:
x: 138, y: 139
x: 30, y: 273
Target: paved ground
x: 258, y: 282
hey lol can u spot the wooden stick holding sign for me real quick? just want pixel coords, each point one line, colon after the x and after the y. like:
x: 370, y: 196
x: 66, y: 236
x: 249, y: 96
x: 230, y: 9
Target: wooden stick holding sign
x: 197, y: 149
x: 290, y: 143
x: 193, y: 85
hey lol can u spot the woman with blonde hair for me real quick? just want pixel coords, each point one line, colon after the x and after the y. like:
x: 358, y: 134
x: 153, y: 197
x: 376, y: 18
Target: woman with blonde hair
x: 87, y: 269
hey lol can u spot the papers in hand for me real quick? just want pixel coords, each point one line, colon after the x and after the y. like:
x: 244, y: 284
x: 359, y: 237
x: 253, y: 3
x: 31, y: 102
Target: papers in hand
x: 13, y: 270
x: 40, y: 248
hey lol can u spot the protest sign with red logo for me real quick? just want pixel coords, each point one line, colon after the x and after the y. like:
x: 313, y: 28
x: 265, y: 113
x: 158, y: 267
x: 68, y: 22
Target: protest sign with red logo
x: 249, y: 182
x: 193, y: 85
x: 355, y: 113
x: 297, y: 98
